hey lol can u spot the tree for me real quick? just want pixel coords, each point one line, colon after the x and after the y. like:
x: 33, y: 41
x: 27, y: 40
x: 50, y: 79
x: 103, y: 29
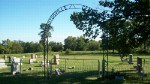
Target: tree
x: 45, y: 33
x: 80, y: 43
x: 70, y: 43
x: 1, y: 49
x: 93, y: 45
x: 125, y: 23
x: 38, y: 47
x: 7, y: 44
x: 16, y: 47
x: 56, y: 46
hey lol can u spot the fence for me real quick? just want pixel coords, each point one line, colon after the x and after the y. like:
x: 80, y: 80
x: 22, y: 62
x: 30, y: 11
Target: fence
x: 23, y: 68
x: 130, y: 71
x: 76, y: 67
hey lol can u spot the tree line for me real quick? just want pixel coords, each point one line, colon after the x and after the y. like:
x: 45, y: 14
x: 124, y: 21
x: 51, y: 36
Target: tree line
x: 7, y: 46
x: 73, y: 43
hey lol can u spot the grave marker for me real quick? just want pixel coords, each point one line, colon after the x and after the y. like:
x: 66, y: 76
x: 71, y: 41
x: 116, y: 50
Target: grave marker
x: 15, y: 68
x: 58, y: 71
x: 42, y: 63
x: 5, y: 57
x: 23, y: 57
x: 11, y: 59
x: 31, y: 61
x: 2, y: 64
x: 56, y: 59
x: 17, y: 60
x: 139, y: 64
x: 33, y: 56
x: 130, y: 59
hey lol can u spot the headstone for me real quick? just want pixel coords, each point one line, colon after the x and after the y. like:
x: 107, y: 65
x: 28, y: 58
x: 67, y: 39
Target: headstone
x: 5, y: 57
x: 44, y: 64
x: 130, y: 59
x: 36, y: 56
x: 11, y: 58
x: 23, y: 57
x: 2, y: 64
x: 31, y: 61
x: 56, y: 59
x: 15, y: 68
x: 139, y: 64
x: 17, y: 60
x: 58, y: 71
x: 33, y: 56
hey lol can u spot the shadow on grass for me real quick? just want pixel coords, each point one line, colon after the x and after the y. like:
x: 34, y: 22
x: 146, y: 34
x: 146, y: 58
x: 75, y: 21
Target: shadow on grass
x: 66, y: 78
x: 84, y: 53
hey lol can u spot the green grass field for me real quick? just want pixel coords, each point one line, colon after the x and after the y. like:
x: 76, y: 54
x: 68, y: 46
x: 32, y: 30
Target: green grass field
x: 84, y: 71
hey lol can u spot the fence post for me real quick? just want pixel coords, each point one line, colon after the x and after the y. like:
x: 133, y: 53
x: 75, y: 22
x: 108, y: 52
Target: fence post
x: 65, y: 65
x: 83, y: 65
x: 98, y: 68
x: 50, y: 69
x: 20, y: 65
x: 103, y: 68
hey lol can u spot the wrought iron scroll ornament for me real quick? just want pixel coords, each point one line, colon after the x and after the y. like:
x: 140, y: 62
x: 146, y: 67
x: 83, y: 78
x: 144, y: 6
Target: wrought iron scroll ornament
x: 66, y: 7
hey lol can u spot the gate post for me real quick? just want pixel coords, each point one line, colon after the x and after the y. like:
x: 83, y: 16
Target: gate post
x: 50, y: 69
x: 139, y: 64
x: 103, y: 68
x: 98, y: 68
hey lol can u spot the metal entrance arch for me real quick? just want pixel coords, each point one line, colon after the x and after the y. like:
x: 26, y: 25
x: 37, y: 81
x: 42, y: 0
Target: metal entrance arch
x: 51, y: 18
x: 66, y: 7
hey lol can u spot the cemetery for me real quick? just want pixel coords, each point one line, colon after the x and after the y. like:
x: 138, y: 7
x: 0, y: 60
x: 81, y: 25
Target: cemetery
x: 85, y: 67
x: 121, y: 56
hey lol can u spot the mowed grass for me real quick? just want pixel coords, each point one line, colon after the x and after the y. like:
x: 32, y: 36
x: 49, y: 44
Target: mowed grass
x: 85, y: 71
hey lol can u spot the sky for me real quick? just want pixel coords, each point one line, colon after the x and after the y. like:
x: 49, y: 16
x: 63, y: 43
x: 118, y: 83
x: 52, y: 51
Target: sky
x: 21, y: 19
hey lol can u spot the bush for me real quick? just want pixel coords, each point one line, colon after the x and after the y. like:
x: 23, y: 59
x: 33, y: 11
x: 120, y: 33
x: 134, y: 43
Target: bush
x: 68, y: 51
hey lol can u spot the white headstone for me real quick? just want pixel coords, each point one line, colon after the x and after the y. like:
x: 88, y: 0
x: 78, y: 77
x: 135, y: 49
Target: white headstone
x: 23, y: 57
x: 58, y: 71
x: 2, y: 64
x: 31, y: 61
x: 42, y: 63
x: 17, y: 60
x: 36, y: 56
x: 33, y: 56
x: 15, y: 68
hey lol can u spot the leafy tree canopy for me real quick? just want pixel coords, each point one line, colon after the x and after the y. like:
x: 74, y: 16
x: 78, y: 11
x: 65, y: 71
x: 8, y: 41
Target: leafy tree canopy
x: 124, y: 22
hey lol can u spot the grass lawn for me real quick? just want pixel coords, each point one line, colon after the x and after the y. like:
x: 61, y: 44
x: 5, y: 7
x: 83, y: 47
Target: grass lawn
x: 85, y: 71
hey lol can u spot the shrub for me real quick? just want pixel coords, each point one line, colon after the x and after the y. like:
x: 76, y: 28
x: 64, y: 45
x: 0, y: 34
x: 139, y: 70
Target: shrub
x: 68, y: 51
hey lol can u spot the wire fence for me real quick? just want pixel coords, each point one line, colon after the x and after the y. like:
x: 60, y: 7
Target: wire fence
x: 78, y: 68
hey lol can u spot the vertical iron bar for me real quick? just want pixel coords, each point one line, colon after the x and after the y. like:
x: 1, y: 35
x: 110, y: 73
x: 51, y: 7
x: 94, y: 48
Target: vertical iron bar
x: 98, y: 69
x: 44, y: 57
x: 20, y: 66
x: 65, y: 65
x: 47, y: 60
x: 107, y: 53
